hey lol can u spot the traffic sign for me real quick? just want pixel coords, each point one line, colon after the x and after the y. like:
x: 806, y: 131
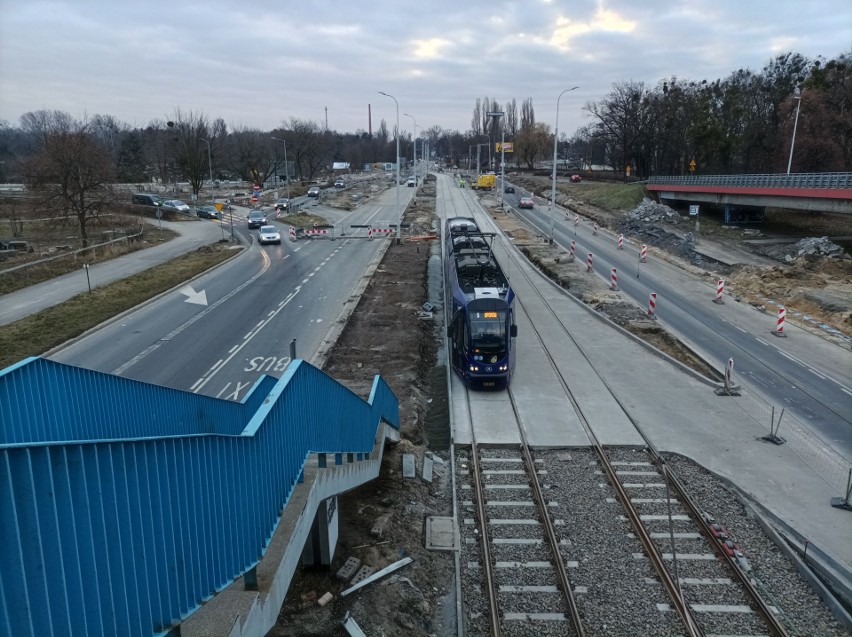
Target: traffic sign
x: 495, y: 113
x: 692, y: 166
x: 693, y: 210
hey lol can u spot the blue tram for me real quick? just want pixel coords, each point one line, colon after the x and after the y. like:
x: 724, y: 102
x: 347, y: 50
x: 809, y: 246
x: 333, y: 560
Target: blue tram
x: 481, y: 320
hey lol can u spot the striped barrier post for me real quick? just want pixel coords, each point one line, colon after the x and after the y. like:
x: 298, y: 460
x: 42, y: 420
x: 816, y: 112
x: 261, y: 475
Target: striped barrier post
x: 595, y: 230
x: 572, y: 248
x: 779, y: 329
x: 614, y: 280
x: 589, y: 263
x: 370, y: 233
x: 621, y: 242
x: 720, y: 290
x: 292, y: 233
x: 652, y: 304
x: 644, y: 257
x: 729, y: 374
x: 576, y: 219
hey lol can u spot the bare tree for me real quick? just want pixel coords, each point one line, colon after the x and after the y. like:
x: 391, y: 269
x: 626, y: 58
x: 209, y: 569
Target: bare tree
x: 72, y: 173
x: 533, y: 143
x: 311, y: 146
x: 476, y: 120
x: 190, y: 128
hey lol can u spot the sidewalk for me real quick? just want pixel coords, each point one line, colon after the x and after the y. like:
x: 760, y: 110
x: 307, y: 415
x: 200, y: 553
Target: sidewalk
x: 192, y: 235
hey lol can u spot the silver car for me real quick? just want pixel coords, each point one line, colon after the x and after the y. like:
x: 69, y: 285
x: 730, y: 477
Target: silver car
x: 177, y: 205
x: 268, y: 234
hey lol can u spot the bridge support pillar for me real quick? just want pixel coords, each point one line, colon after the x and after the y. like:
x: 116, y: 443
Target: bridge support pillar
x: 322, y: 540
x: 738, y: 213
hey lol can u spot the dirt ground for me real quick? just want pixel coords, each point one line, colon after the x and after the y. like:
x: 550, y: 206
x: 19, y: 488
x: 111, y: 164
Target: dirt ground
x: 384, y: 521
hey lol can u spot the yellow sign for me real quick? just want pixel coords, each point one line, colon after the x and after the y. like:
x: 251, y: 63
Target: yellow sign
x: 628, y: 170
x: 505, y: 147
x: 219, y: 206
x: 692, y: 166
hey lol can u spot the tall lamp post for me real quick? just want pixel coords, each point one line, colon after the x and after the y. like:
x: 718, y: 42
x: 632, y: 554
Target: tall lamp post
x: 210, y: 164
x: 553, y: 177
x: 499, y: 114
x: 797, y: 96
x: 415, y: 147
x: 286, y: 169
x: 397, y: 159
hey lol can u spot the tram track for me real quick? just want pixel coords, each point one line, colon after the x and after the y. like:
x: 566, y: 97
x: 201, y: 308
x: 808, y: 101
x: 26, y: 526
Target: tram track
x: 652, y: 599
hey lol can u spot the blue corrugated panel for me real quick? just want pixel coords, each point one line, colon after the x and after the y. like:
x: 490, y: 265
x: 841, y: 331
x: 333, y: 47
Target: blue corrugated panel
x: 129, y: 534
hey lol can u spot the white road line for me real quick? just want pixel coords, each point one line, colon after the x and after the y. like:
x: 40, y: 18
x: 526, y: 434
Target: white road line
x: 762, y: 342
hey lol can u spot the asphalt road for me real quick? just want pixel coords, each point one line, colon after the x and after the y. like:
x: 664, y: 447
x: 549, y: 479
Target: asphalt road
x: 256, y: 305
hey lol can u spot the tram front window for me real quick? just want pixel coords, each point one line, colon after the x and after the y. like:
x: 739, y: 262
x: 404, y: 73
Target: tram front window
x: 488, y: 333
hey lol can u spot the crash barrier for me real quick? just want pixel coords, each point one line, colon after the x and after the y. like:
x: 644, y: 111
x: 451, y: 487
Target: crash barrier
x: 652, y: 304
x: 614, y: 278
x: 316, y: 232
x: 379, y: 232
x: 123, y: 511
x: 779, y: 324
x: 720, y: 290
x: 644, y: 255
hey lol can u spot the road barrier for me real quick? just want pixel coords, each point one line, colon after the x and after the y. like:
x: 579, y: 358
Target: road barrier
x: 595, y: 230
x: 652, y: 304
x: 573, y: 246
x: 589, y: 263
x: 614, y: 280
x: 644, y: 257
x: 621, y: 242
x: 292, y: 233
x: 779, y: 329
x: 316, y: 232
x: 720, y: 290
x: 380, y: 232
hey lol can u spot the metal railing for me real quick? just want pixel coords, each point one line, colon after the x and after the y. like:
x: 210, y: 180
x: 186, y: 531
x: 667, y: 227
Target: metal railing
x: 800, y: 180
x: 125, y: 505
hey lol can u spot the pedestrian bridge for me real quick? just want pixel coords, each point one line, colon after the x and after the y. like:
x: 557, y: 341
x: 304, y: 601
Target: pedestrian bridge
x: 130, y: 508
x: 812, y: 192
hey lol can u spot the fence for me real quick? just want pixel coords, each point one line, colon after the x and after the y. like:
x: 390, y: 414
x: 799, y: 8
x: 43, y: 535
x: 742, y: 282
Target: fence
x: 801, y: 180
x: 781, y: 426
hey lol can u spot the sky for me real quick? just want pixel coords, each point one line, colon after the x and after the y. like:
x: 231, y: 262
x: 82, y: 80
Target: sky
x: 258, y: 63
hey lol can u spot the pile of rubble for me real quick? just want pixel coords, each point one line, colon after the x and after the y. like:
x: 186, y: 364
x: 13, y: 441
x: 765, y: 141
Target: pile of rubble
x: 807, y: 247
x: 651, y: 211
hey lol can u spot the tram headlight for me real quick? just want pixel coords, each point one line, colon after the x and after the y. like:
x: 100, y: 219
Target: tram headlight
x: 504, y: 368
x: 474, y: 368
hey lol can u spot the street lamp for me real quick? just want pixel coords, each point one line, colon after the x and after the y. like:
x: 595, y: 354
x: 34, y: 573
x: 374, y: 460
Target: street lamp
x: 286, y: 168
x: 553, y: 177
x: 415, y: 147
x: 397, y: 159
x: 797, y: 96
x: 498, y: 115
x: 209, y: 165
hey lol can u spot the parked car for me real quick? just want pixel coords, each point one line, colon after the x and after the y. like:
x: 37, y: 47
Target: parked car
x: 282, y: 205
x: 207, y: 212
x: 268, y: 234
x: 576, y: 179
x: 256, y: 219
x: 314, y: 191
x: 526, y: 202
x: 508, y: 188
x: 339, y: 183
x: 145, y: 199
x: 177, y: 205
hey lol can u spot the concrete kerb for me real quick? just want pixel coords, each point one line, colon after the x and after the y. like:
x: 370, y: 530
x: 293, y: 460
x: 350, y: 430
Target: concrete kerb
x: 121, y: 315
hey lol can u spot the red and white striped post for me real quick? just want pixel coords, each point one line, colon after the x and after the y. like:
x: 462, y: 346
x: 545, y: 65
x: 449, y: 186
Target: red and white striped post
x: 720, y: 290
x: 595, y: 230
x: 292, y: 233
x: 779, y: 329
x: 589, y: 263
x: 652, y: 303
x: 370, y: 232
x: 621, y: 242
x: 644, y: 255
x: 614, y: 280
x: 573, y: 246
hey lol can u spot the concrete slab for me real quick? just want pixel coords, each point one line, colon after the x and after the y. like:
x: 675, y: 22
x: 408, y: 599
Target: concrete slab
x: 427, y: 469
x: 441, y: 534
x: 408, y: 470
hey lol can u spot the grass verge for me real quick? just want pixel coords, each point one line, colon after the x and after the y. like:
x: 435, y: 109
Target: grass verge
x: 36, y: 334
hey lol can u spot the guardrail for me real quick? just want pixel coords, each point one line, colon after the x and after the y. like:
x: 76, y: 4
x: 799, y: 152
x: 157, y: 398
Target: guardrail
x: 799, y: 180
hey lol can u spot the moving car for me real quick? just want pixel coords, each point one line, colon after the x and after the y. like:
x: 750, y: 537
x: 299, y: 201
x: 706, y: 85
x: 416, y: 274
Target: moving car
x: 144, y: 199
x: 268, y: 234
x: 412, y: 181
x: 314, y: 191
x: 576, y: 179
x: 256, y: 219
x: 177, y: 205
x: 340, y: 183
x: 282, y: 205
x: 508, y: 188
x: 526, y: 202
x: 207, y: 212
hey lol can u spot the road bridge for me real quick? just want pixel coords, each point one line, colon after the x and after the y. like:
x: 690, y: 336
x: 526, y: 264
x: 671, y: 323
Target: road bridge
x: 745, y: 197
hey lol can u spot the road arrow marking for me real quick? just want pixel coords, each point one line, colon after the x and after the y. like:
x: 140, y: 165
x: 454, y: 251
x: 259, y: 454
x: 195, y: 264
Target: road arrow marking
x: 199, y: 298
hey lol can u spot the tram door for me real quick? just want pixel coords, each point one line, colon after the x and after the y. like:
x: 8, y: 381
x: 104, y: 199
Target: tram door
x: 456, y: 333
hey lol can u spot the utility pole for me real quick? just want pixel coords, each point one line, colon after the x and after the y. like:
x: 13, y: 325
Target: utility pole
x: 498, y: 115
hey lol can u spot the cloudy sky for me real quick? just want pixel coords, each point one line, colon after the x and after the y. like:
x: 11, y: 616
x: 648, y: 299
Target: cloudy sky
x: 257, y: 63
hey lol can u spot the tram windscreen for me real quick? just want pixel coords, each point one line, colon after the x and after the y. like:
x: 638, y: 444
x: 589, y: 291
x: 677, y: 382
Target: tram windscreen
x: 488, y: 332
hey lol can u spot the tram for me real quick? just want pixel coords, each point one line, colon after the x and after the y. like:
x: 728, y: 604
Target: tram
x: 480, y: 303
